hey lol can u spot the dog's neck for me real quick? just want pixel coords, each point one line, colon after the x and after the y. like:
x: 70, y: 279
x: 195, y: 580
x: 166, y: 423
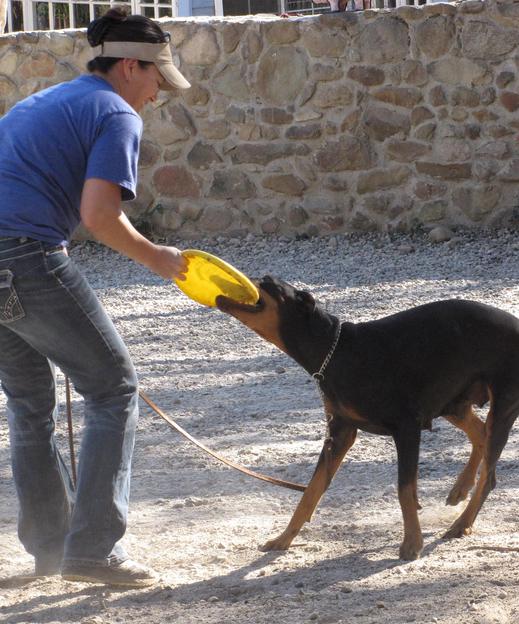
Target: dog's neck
x: 312, y: 345
x: 319, y: 375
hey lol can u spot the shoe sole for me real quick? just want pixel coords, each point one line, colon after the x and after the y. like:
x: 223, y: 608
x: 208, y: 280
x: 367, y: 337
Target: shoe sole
x: 92, y: 579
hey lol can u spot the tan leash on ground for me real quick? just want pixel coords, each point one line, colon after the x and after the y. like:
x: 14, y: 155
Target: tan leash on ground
x: 70, y: 431
x: 188, y: 436
x: 224, y: 460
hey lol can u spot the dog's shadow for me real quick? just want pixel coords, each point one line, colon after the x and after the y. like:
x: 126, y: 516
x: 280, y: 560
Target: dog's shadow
x: 254, y: 578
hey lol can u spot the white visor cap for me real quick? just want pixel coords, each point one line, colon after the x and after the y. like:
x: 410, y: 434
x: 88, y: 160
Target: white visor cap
x: 157, y: 53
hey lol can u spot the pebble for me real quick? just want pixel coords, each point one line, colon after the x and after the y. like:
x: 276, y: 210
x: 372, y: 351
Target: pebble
x: 440, y: 234
x: 193, y: 502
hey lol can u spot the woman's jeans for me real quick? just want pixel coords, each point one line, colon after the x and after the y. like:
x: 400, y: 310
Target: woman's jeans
x: 50, y: 315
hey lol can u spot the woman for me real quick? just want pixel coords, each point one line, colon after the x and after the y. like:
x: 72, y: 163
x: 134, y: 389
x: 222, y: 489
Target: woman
x: 69, y: 154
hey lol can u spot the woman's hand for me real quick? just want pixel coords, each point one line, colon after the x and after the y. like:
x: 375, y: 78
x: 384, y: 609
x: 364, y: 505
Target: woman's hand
x: 169, y: 263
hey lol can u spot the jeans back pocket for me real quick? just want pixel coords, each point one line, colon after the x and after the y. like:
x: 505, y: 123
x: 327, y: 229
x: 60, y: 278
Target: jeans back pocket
x: 10, y: 306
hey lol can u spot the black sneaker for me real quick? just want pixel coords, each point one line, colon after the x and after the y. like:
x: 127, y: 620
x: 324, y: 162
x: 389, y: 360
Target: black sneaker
x: 126, y: 574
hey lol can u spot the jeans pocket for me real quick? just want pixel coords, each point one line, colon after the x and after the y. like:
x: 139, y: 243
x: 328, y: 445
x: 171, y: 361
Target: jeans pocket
x: 10, y: 306
x: 56, y: 259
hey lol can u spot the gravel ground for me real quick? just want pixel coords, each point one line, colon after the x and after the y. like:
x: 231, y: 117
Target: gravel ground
x: 199, y: 523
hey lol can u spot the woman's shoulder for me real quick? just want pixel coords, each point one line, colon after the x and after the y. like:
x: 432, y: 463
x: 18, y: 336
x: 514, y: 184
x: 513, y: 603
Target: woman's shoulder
x: 91, y: 104
x: 97, y: 92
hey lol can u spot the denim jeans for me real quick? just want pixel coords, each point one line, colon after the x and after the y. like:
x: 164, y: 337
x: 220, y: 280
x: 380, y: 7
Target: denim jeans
x: 50, y: 315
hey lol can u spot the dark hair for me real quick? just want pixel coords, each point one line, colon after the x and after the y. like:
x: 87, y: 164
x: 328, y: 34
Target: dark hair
x: 117, y: 25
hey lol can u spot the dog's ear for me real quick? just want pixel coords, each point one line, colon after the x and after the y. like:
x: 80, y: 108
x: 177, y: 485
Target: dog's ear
x: 306, y: 298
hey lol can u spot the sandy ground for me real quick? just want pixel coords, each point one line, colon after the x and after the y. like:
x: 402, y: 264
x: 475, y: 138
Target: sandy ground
x: 199, y: 523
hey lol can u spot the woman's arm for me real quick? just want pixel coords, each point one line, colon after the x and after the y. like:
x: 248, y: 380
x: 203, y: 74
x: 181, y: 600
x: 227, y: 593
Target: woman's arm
x: 102, y: 215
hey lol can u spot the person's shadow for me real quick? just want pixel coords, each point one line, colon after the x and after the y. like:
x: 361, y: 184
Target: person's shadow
x: 247, y: 582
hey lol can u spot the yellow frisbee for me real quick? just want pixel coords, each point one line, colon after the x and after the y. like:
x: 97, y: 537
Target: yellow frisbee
x: 208, y: 276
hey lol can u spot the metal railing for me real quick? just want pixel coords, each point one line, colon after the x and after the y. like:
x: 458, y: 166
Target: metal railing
x: 307, y: 7
x: 57, y: 14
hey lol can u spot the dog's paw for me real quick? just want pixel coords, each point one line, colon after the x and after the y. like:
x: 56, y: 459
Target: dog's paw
x: 410, y: 550
x: 459, y: 493
x: 457, y: 530
x: 279, y: 543
x: 456, y: 496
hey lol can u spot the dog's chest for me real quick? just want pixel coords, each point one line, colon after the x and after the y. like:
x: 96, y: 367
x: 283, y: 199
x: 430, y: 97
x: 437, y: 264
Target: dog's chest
x: 352, y: 417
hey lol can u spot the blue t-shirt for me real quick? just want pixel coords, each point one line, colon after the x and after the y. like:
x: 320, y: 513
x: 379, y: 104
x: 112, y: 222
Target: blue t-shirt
x: 53, y: 141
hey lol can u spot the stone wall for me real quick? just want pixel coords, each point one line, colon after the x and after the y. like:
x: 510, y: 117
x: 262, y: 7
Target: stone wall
x: 383, y: 119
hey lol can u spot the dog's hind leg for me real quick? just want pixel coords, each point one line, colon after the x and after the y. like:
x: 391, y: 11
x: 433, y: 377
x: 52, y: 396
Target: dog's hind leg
x: 468, y: 422
x: 335, y: 448
x: 503, y: 412
x: 407, y: 440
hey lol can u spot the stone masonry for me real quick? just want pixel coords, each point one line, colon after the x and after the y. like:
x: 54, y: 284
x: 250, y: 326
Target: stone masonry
x: 383, y: 119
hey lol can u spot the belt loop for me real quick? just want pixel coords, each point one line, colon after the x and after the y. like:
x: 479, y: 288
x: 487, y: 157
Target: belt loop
x: 50, y: 250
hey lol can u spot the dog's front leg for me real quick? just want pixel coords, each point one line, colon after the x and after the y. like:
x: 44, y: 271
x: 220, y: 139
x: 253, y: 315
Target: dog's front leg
x: 335, y: 448
x: 407, y: 441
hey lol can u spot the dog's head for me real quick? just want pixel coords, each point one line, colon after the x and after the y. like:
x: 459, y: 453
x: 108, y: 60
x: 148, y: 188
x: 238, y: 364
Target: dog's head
x: 281, y: 311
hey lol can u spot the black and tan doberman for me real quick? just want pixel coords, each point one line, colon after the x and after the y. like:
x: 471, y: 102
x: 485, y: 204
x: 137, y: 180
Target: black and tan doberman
x: 393, y: 376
